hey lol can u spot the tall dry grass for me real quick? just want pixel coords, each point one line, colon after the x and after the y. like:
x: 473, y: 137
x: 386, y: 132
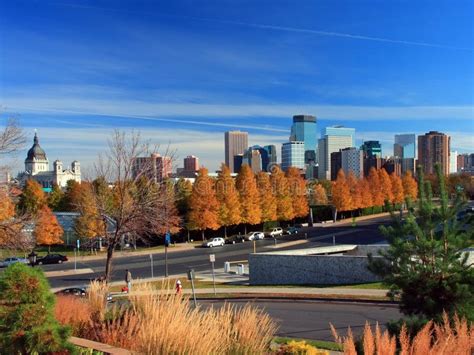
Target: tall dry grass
x: 75, y: 312
x: 432, y: 339
x: 163, y: 323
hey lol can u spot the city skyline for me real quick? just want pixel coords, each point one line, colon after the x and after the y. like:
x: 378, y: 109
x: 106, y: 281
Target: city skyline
x: 184, y: 74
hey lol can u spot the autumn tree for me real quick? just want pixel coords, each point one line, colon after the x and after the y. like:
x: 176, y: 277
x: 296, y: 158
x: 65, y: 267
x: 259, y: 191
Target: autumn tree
x: 246, y: 184
x: 268, y: 201
x: 204, y: 211
x: 33, y: 198
x: 318, y: 195
x: 56, y: 198
x: 7, y: 214
x: 355, y: 191
x: 365, y: 193
x: 183, y: 191
x: 89, y: 224
x: 281, y: 191
x: 385, y: 185
x: 397, y: 189
x: 47, y: 231
x: 228, y: 198
x: 410, y: 188
x: 341, y: 197
x: 298, y: 192
x: 72, y: 196
x: 375, y: 188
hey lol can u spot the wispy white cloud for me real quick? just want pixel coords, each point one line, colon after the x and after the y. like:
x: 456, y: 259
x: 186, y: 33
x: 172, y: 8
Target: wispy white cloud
x: 147, y: 110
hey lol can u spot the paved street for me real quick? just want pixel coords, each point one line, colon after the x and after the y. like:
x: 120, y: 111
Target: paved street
x: 310, y: 319
x: 365, y: 232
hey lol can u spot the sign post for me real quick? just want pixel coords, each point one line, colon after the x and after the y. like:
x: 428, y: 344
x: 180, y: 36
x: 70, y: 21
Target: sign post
x: 167, y: 243
x: 191, y: 278
x: 75, y: 259
x: 212, y: 259
x: 151, y: 264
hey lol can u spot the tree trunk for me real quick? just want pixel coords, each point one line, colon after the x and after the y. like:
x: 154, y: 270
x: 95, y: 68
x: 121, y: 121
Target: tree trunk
x: 245, y: 228
x: 108, y: 264
x: 225, y: 231
x: 202, y: 233
x: 335, y: 214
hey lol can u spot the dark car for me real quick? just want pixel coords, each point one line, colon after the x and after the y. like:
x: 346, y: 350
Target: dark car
x: 292, y: 230
x: 51, y: 259
x: 72, y: 291
x: 235, y: 239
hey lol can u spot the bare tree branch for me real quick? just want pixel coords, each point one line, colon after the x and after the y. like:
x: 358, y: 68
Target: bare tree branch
x: 12, y: 137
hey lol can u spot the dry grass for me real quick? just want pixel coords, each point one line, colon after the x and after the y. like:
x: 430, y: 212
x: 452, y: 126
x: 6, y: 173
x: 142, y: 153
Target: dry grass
x: 432, y: 339
x: 75, y: 312
x: 168, y: 324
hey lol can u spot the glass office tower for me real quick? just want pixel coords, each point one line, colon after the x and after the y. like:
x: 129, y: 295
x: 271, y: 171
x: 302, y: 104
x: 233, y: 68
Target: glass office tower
x: 304, y: 130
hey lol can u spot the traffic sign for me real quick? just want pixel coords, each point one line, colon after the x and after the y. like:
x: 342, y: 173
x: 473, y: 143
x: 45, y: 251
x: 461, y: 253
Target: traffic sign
x: 212, y: 258
x: 78, y: 242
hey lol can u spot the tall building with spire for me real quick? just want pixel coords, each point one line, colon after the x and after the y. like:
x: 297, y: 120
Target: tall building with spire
x: 37, y: 168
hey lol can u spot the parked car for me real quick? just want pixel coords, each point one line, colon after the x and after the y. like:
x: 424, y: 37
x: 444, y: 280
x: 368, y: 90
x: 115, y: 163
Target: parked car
x: 214, y: 242
x: 254, y: 236
x: 51, y: 259
x: 275, y: 232
x: 78, y: 292
x: 292, y: 230
x: 235, y: 239
x: 13, y: 260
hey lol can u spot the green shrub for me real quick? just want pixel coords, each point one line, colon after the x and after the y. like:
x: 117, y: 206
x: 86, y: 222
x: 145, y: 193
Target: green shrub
x: 27, y: 323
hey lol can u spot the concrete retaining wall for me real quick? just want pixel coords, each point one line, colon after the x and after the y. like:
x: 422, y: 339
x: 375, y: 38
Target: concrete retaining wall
x: 287, y: 269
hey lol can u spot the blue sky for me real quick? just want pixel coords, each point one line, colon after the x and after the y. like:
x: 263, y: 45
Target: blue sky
x: 183, y: 72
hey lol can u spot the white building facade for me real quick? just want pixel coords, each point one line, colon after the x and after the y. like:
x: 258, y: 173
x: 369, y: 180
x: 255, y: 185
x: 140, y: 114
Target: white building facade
x: 37, y: 168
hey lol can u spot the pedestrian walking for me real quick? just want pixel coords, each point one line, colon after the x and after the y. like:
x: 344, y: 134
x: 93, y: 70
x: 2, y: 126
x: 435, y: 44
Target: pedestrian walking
x: 179, y: 287
x: 128, y: 280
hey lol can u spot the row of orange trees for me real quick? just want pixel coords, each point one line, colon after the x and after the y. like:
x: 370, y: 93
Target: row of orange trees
x: 248, y: 199
x: 350, y: 193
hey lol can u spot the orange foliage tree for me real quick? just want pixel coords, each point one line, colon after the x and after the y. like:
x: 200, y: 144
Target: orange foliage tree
x: 251, y: 212
x: 298, y: 193
x: 268, y: 201
x: 32, y: 198
x: 355, y: 192
x: 47, y: 231
x: 89, y: 224
x: 204, y: 207
x: 7, y: 212
x: 318, y: 195
x: 282, y: 193
x: 385, y: 185
x: 228, y: 197
x: 375, y: 188
x: 397, y: 189
x: 341, y: 197
x: 365, y: 193
x: 410, y: 187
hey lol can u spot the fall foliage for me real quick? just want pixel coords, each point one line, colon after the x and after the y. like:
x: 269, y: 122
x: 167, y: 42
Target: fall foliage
x: 89, y: 224
x: 375, y: 188
x: 204, y: 210
x: 397, y: 188
x: 33, y: 198
x: 268, y: 201
x: 47, y: 230
x: 355, y: 191
x: 410, y: 187
x: 318, y: 195
x: 228, y: 198
x: 341, y: 197
x: 249, y: 196
x: 385, y: 185
x: 281, y: 191
x: 297, y: 187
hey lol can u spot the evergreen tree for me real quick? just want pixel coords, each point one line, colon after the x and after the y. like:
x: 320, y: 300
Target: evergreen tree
x: 268, y: 202
x: 47, y: 231
x: 298, y: 192
x: 33, y: 198
x: 251, y: 212
x: 281, y: 191
x: 426, y: 264
x: 228, y: 197
x: 204, y: 210
x: 56, y: 199
x: 27, y: 323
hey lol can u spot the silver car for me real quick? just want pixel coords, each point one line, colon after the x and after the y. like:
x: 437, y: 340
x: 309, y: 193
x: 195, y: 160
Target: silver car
x: 13, y: 260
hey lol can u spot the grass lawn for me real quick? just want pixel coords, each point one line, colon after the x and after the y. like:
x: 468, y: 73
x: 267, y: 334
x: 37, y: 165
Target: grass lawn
x: 319, y: 344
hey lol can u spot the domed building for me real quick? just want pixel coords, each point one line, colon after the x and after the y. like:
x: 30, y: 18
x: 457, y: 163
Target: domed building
x: 37, y: 168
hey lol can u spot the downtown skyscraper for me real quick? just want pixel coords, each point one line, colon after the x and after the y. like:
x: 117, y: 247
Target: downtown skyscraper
x: 236, y: 143
x: 334, y: 139
x: 434, y: 148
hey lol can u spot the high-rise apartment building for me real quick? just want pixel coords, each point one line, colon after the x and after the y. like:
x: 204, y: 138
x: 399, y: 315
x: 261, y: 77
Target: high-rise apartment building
x: 191, y: 163
x: 292, y: 155
x: 304, y: 130
x: 371, y: 149
x: 465, y: 162
x: 155, y: 167
x: 433, y: 148
x: 236, y: 142
x: 336, y: 164
x: 334, y: 139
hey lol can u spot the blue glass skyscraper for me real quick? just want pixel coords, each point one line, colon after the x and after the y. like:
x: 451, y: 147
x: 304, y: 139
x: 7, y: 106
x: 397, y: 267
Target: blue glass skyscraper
x: 304, y: 130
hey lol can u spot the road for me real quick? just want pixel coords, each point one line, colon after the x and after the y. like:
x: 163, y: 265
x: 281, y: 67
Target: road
x: 310, y: 319
x: 366, y: 232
